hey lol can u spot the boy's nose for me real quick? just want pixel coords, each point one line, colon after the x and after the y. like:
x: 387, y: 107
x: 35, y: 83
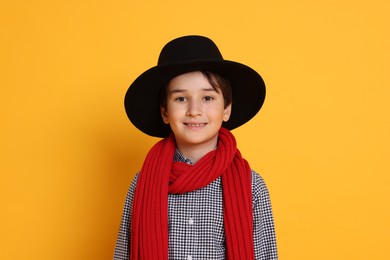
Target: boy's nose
x: 194, y: 109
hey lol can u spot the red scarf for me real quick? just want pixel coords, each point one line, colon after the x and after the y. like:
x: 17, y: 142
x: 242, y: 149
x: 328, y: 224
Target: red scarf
x: 159, y: 176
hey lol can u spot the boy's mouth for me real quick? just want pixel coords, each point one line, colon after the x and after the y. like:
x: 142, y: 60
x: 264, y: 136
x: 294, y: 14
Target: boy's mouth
x: 195, y: 124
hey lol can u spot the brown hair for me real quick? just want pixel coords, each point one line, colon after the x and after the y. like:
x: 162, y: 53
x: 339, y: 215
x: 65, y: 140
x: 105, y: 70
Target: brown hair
x: 218, y: 83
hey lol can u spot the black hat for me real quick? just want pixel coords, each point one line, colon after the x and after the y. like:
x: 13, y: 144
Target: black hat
x: 186, y: 54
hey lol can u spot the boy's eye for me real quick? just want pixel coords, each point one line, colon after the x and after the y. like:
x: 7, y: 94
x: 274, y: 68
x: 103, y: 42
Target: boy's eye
x: 208, y: 98
x: 181, y: 99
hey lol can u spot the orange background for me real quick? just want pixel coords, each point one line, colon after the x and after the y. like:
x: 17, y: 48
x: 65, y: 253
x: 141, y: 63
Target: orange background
x: 321, y: 141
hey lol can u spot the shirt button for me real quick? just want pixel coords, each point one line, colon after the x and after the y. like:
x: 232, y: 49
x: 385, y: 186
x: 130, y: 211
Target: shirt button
x: 191, y: 222
x: 189, y: 257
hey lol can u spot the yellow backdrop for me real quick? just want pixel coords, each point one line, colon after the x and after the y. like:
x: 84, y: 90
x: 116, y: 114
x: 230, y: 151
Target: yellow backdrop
x: 321, y: 141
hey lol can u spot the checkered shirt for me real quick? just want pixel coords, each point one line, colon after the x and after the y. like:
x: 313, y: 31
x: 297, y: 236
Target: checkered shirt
x: 195, y: 222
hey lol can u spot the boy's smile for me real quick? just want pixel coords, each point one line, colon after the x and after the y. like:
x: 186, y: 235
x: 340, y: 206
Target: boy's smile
x: 195, y: 112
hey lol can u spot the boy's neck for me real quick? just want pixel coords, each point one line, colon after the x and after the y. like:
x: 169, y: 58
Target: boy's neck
x: 195, y: 152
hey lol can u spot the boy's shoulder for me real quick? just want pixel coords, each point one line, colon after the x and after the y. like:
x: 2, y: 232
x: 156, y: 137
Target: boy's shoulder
x: 257, y: 178
x: 259, y: 187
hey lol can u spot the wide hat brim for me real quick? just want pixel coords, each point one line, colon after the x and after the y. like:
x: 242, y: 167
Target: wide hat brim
x: 142, y: 100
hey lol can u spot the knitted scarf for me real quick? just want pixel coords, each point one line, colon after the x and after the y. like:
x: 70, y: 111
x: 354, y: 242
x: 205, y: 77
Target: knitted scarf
x: 159, y: 176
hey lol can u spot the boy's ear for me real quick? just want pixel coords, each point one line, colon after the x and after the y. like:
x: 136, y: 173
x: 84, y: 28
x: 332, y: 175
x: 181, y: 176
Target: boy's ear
x: 227, y: 112
x: 164, y: 115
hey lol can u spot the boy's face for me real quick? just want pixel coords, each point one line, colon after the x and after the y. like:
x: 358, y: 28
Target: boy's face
x: 195, y: 111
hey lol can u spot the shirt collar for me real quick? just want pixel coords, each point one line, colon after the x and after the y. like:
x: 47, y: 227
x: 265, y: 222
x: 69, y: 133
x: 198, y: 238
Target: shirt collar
x: 179, y: 157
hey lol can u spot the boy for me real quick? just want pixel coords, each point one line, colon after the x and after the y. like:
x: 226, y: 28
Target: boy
x: 195, y: 196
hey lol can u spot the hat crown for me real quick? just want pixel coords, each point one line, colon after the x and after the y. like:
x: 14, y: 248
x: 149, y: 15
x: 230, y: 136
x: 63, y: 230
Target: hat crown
x: 189, y: 49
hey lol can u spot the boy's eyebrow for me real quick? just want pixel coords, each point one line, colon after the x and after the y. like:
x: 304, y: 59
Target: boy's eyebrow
x: 184, y: 90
